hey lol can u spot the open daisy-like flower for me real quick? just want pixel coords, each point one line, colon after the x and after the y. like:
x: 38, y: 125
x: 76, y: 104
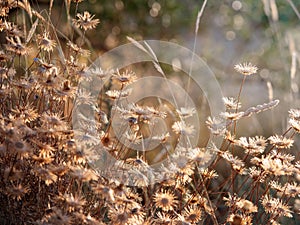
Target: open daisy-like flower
x: 165, y: 200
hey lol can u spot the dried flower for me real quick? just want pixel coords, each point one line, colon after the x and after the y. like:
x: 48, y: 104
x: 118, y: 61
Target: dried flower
x: 231, y: 103
x: 291, y: 189
x: 209, y: 174
x: 12, y: 30
x: 105, y: 191
x: 78, y: 50
x: 273, y: 165
x: 27, y: 113
x: 53, y: 121
x: 246, y: 206
x: 119, y: 215
x: 84, y: 97
x: 236, y: 163
x: 192, y: 214
x: 64, y: 92
x: 163, y: 218
x: 45, y: 43
x: 72, y: 202
x: 59, y: 217
x: 246, y: 69
x: 216, y: 125
x: 18, y: 191
x: 180, y: 127
x: 126, y: 77
x: 83, y: 174
x: 294, y: 113
x: 21, y: 148
x: 232, y: 115
x: 15, y: 45
x: 85, y: 21
x: 295, y: 124
x: 186, y: 112
x: 117, y: 94
x: 254, y: 145
x: 276, y: 207
x: 165, y: 200
x: 199, y: 155
x: 281, y: 142
x: 236, y: 219
x: 45, y: 175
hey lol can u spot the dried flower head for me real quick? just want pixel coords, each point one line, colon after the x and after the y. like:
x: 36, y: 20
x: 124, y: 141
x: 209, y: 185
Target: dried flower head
x: 72, y: 202
x: 126, y: 77
x: 83, y: 174
x: 12, y: 30
x: 65, y: 91
x: 254, y: 145
x: 45, y: 43
x: 232, y: 115
x: 180, y: 127
x: 192, y: 214
x: 165, y: 200
x: 85, y: 21
x: 246, y: 69
x: 53, y: 121
x: 163, y: 218
x: 18, y: 191
x: 58, y: 217
x: 276, y: 207
x: 199, y: 155
x: 239, y: 219
x: 216, y: 125
x: 231, y: 103
x: 45, y: 175
x: 271, y: 164
x: 294, y: 113
x: 26, y: 113
x: 236, y: 163
x: 295, y: 124
x: 16, y: 46
x: 78, y: 50
x: 292, y: 189
x: 186, y: 112
x: 246, y: 206
x: 119, y: 215
x: 21, y: 148
x: 281, y: 142
x: 209, y: 174
x: 117, y: 94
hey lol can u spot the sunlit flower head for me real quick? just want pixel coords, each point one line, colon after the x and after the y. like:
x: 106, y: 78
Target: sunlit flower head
x: 85, y: 21
x: 246, y: 68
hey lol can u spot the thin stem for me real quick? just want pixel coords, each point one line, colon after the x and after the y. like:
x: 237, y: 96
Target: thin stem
x: 237, y: 104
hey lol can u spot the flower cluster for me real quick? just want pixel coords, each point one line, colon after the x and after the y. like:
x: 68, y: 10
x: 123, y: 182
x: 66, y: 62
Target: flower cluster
x: 46, y: 164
